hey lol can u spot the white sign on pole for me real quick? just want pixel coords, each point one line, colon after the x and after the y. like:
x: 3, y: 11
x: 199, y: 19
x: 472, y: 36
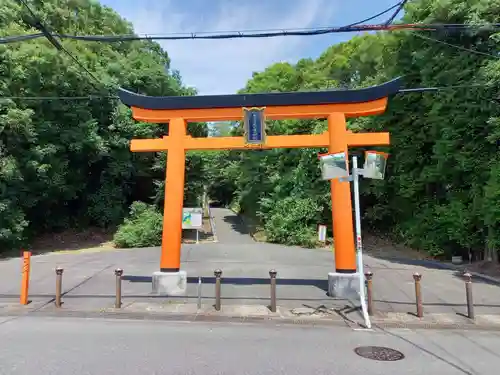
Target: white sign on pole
x: 192, y: 218
x: 322, y: 233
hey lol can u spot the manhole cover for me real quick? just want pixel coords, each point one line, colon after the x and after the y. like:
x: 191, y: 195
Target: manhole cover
x: 379, y: 353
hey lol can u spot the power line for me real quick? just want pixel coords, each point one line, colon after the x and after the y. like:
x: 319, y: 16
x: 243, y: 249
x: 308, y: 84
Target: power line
x: 45, y: 33
x: 229, y: 35
x: 38, y: 25
x: 196, y: 35
x: 19, y: 38
x: 441, y: 88
x: 62, y: 98
x: 205, y: 35
x: 51, y: 37
x: 376, y: 15
x: 72, y: 57
x: 457, y: 46
x: 394, y: 15
x: 263, y: 34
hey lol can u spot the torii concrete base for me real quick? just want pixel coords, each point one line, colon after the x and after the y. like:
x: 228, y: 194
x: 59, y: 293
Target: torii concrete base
x: 343, y: 285
x: 170, y: 283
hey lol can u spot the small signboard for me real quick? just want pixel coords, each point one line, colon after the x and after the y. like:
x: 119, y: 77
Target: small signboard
x: 192, y: 218
x: 254, y: 125
x: 322, y: 233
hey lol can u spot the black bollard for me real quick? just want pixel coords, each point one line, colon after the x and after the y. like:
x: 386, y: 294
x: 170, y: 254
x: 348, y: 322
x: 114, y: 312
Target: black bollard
x: 468, y: 295
x: 118, y: 298
x: 217, y: 274
x: 418, y: 294
x: 59, y: 273
x: 369, y: 293
x: 272, y: 275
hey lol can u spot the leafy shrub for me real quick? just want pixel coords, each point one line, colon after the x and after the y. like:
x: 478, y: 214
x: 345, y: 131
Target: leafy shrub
x: 292, y: 222
x: 142, y: 228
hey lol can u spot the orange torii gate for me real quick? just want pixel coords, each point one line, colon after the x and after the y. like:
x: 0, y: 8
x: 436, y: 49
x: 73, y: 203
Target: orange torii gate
x: 334, y: 105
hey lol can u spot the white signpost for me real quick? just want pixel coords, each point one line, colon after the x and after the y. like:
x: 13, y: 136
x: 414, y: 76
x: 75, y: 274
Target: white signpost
x: 192, y: 218
x: 322, y: 233
x: 335, y: 166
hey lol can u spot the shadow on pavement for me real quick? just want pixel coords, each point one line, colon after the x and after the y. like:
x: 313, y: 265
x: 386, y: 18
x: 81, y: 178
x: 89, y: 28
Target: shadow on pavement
x: 237, y: 224
x: 411, y: 303
x: 15, y: 297
x: 145, y: 297
x: 414, y: 262
x: 381, y: 248
x: 436, y: 265
x: 318, y: 283
x: 190, y: 235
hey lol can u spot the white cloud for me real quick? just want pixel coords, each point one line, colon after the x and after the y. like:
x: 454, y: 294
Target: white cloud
x: 224, y: 66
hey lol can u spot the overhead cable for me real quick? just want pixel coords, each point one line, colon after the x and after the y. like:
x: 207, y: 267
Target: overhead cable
x: 376, y: 15
x: 45, y: 33
x: 394, y: 15
x: 457, y: 46
x: 263, y: 34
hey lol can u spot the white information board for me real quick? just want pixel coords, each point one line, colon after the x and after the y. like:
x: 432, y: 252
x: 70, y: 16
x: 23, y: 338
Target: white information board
x: 192, y: 218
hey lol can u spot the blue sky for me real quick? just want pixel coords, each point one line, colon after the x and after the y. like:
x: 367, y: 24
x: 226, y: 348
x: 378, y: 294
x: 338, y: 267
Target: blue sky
x: 224, y: 66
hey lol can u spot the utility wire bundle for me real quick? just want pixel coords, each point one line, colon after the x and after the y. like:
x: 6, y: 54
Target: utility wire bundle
x: 354, y: 27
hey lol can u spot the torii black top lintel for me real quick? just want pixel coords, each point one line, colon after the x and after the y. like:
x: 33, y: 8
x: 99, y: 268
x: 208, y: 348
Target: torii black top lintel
x: 261, y: 100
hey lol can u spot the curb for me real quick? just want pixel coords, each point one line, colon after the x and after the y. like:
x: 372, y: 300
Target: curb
x: 315, y: 321
x: 173, y: 317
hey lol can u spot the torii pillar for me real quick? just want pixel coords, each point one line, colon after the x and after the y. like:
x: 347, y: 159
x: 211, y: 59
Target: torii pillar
x: 335, y: 106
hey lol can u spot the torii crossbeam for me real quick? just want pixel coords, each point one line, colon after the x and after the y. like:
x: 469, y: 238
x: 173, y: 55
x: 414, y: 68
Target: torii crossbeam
x: 334, y: 105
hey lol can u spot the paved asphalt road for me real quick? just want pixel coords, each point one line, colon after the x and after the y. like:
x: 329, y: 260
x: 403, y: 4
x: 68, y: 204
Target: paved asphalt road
x: 67, y: 346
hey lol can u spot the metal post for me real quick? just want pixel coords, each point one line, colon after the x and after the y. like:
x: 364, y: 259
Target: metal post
x: 468, y: 293
x: 369, y: 294
x: 59, y: 272
x: 25, y: 282
x: 418, y: 294
x: 272, y: 275
x: 217, y: 274
x: 359, y: 245
x: 118, y: 300
x: 199, y: 293
x: 197, y: 236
